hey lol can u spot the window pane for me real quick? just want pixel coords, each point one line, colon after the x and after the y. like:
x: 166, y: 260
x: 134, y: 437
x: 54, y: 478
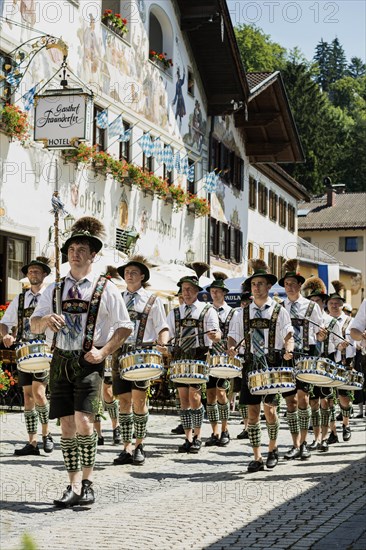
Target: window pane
x: 351, y: 244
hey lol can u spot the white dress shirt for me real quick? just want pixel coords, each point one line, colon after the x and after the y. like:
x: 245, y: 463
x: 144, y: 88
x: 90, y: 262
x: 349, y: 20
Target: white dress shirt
x: 351, y: 349
x: 316, y: 316
x: 210, y: 322
x: 359, y: 322
x: 156, y: 320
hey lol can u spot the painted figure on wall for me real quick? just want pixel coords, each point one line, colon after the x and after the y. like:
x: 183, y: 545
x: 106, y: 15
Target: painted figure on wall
x: 197, y: 128
x: 178, y: 101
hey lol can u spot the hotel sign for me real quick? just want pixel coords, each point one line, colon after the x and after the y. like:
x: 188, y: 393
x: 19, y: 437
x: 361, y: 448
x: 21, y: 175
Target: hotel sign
x: 62, y: 117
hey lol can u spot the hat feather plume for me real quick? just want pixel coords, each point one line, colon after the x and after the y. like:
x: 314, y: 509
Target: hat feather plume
x: 219, y: 275
x: 111, y: 271
x: 90, y: 225
x: 257, y: 264
x: 338, y: 286
x: 198, y: 267
x: 140, y: 259
x: 291, y: 265
x: 314, y: 284
x: 43, y: 259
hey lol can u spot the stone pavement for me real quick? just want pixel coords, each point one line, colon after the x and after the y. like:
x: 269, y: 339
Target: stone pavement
x: 179, y: 501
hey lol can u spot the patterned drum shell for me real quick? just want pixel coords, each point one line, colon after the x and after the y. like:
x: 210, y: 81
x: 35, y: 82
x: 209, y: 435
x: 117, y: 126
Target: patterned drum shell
x: 108, y: 366
x: 141, y: 365
x: 315, y: 370
x: 33, y: 356
x: 339, y: 377
x: 187, y: 371
x: 353, y: 381
x: 224, y: 366
x: 272, y: 380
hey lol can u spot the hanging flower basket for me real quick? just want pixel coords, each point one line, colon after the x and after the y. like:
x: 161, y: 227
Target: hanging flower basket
x: 198, y: 205
x: 14, y: 122
x: 6, y: 380
x: 115, y: 22
x: 160, y: 59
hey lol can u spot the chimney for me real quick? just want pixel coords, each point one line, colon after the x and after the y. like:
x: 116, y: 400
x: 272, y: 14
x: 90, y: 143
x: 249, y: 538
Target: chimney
x: 331, y: 196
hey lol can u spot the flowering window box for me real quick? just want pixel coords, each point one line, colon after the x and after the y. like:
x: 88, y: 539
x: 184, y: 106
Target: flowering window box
x: 115, y: 22
x: 160, y: 59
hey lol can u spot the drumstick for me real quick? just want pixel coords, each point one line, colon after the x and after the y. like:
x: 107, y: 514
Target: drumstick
x: 191, y: 336
x: 330, y: 331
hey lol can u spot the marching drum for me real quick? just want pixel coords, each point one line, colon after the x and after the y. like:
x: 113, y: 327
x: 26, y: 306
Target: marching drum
x: 339, y: 377
x: 33, y: 356
x: 319, y: 371
x: 141, y: 365
x: 353, y: 381
x: 273, y: 380
x: 189, y: 371
x: 224, y: 366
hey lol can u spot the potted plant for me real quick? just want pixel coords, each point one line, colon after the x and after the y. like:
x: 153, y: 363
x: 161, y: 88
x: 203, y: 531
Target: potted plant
x: 14, y: 122
x: 115, y: 22
x: 199, y: 205
x: 178, y: 195
x: 160, y: 59
x: 101, y: 161
x: 6, y: 380
x: 3, y: 308
x: 81, y: 154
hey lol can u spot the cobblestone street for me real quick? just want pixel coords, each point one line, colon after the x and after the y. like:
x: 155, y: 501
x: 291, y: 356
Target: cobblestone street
x: 187, y: 501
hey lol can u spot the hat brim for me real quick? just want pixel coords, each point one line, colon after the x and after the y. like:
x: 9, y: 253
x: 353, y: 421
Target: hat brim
x: 179, y: 285
x: 145, y: 270
x: 224, y: 289
x: 335, y: 297
x: 96, y: 243
x: 43, y: 266
x: 300, y: 279
x: 321, y: 295
x: 272, y: 279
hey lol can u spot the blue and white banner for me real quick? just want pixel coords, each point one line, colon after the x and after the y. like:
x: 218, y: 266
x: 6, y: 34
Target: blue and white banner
x: 327, y: 274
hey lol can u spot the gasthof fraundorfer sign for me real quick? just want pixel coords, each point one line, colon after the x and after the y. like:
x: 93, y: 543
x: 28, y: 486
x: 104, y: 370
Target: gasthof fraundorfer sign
x: 62, y: 118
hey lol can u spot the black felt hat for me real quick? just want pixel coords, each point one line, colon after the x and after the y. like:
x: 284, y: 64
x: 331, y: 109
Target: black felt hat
x: 218, y: 283
x: 291, y: 270
x: 138, y: 261
x: 189, y: 279
x: 86, y: 228
x: 40, y: 261
x: 260, y: 269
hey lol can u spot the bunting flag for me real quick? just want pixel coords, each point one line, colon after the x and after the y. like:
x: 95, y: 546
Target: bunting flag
x: 28, y: 98
x: 168, y: 158
x: 184, y: 166
x: 146, y: 144
x: 191, y: 173
x: 13, y: 78
x: 115, y: 128
x: 125, y: 135
x: 157, y: 150
x: 102, y: 119
x: 210, y: 182
x: 177, y: 162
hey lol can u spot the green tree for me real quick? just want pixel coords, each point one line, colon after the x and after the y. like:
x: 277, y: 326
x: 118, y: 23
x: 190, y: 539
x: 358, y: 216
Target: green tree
x: 349, y: 93
x: 321, y: 58
x: 356, y: 68
x: 257, y: 51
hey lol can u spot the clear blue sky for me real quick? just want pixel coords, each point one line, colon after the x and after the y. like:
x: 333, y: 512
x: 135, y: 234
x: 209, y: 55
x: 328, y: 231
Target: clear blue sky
x: 303, y: 23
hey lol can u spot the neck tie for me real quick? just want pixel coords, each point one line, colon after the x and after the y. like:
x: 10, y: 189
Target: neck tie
x: 188, y: 335
x: 219, y: 347
x: 131, y: 301
x: 258, y: 336
x: 294, y: 315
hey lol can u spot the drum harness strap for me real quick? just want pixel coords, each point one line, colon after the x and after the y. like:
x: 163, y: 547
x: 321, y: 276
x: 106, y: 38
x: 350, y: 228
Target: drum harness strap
x: 220, y: 347
x: 142, y: 317
x: 343, y: 351
x: 80, y: 306
x: 326, y: 341
x: 198, y: 323
x: 24, y: 313
x: 262, y: 324
x: 304, y: 323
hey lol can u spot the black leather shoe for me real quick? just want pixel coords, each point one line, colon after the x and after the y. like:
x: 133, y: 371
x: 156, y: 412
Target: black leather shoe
x: 139, y: 455
x: 255, y: 466
x: 359, y: 415
x: 323, y: 447
x: 196, y: 445
x: 213, y: 441
x: 28, y: 449
x: 179, y: 430
x: 346, y: 433
x: 100, y: 440
x: 185, y: 447
x: 272, y: 459
x: 87, y: 494
x: 333, y: 438
x: 304, y: 452
x: 69, y: 498
x: 117, y: 435
x: 224, y: 439
x: 292, y: 454
x: 313, y: 446
x: 339, y: 417
x: 243, y: 435
x: 47, y: 443
x: 123, y: 458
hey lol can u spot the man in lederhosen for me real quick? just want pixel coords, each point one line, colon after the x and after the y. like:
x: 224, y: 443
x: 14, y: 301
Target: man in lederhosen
x: 218, y: 404
x: 358, y: 333
x: 93, y: 323
x: 246, y: 299
x: 266, y: 329
x: 187, y: 325
x: 34, y: 384
x: 306, y: 335
x: 321, y: 396
x: 345, y: 355
x: 148, y: 316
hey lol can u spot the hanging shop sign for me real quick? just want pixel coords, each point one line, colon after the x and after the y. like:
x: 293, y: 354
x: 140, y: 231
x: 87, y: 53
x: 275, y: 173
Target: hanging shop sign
x: 63, y: 117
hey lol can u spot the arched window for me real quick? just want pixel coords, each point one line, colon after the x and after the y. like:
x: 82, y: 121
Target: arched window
x: 160, y: 39
x: 155, y: 34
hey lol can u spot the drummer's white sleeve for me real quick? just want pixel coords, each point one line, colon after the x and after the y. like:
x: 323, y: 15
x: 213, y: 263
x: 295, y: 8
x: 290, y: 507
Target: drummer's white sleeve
x: 10, y: 317
x: 44, y: 306
x: 359, y: 322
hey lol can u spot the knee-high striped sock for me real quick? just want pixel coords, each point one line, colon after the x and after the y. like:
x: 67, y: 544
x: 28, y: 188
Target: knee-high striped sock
x: 31, y: 421
x: 273, y: 429
x: 70, y: 453
x: 140, y: 422
x: 197, y: 417
x: 112, y: 408
x: 255, y: 434
x: 304, y: 418
x: 224, y: 410
x: 293, y: 422
x: 212, y: 413
x: 315, y: 418
x: 243, y: 411
x: 324, y: 417
x: 186, y: 419
x: 43, y: 412
x: 126, y: 425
